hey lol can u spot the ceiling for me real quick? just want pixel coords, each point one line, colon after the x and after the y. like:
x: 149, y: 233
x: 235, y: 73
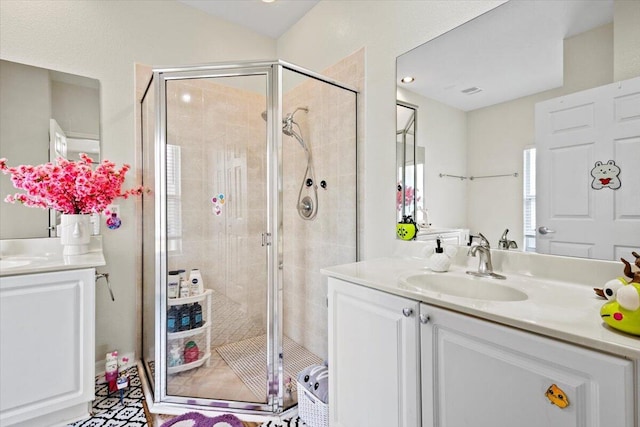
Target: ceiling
x: 269, y: 19
x: 481, y: 52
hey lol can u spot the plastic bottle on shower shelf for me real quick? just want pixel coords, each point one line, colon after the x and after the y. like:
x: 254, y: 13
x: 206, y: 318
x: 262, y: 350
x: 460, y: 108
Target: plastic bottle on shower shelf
x: 173, y: 284
x: 184, y: 289
x: 184, y: 318
x: 196, y: 316
x: 196, y: 287
x: 172, y: 319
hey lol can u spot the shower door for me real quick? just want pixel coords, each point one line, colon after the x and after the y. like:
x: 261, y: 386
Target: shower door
x: 216, y: 212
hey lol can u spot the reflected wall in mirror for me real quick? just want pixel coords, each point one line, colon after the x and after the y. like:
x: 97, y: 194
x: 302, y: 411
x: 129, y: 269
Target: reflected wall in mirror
x: 43, y: 114
x: 477, y: 88
x: 409, y: 165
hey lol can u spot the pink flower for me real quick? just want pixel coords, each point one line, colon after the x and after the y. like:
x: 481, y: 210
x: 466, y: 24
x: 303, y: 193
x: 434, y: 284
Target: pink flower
x: 71, y: 187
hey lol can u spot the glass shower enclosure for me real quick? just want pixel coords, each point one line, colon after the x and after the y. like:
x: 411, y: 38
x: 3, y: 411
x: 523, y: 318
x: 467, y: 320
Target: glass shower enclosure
x: 252, y: 168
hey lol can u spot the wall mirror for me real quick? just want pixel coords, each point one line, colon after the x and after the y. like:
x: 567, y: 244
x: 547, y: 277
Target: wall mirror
x: 43, y: 114
x: 479, y: 88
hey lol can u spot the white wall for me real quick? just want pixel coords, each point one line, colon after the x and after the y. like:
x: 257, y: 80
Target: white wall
x: 442, y: 130
x: 386, y: 29
x: 24, y: 139
x: 103, y: 40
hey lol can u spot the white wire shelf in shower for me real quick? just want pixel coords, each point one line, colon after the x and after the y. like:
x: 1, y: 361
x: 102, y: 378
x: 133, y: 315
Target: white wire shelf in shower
x: 186, y: 366
x: 188, y: 300
x: 188, y: 333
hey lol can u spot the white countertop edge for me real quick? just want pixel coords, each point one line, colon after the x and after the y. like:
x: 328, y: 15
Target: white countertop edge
x: 45, y: 255
x: 384, y: 274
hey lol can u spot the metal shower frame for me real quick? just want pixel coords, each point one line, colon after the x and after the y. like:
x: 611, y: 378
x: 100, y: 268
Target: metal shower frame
x: 273, y: 70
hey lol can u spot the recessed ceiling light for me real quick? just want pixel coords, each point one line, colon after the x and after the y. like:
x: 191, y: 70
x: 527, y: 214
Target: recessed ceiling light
x: 407, y: 79
x: 268, y: 1
x: 186, y: 97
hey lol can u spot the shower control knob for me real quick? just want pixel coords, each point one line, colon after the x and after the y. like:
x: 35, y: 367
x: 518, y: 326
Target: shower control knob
x: 323, y: 184
x: 407, y: 312
x: 309, y: 182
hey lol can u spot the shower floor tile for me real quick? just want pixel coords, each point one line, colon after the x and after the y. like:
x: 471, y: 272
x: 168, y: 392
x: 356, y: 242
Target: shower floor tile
x: 242, y: 376
x: 217, y: 381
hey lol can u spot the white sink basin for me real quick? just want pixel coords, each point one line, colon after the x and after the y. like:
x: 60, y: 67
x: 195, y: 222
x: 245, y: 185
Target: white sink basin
x: 463, y: 286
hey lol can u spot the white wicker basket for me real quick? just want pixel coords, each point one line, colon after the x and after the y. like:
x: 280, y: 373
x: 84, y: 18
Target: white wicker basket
x: 313, y: 411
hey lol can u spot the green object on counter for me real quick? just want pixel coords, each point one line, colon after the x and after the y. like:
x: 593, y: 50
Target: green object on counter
x: 407, y: 228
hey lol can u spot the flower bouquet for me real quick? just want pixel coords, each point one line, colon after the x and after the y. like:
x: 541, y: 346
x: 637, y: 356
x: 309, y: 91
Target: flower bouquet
x: 73, y: 188
x: 70, y: 187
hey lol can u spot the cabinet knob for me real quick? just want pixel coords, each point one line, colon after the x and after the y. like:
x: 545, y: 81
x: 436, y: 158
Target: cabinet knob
x: 424, y: 318
x: 407, y: 312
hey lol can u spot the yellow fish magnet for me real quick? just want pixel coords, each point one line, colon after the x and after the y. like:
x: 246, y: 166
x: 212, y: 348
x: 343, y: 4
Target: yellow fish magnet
x: 557, y: 397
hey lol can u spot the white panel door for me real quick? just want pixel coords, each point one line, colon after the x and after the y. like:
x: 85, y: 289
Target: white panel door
x: 479, y: 374
x: 588, y: 179
x: 373, y: 358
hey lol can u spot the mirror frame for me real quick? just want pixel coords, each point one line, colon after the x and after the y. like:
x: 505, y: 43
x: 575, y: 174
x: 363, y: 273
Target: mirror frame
x: 402, y: 163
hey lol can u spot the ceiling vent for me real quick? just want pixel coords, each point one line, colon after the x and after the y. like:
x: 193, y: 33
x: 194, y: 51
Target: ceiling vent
x: 471, y: 90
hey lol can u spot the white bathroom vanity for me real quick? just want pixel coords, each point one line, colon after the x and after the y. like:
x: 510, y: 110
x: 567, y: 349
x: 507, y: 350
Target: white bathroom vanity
x: 47, y: 345
x: 410, y: 347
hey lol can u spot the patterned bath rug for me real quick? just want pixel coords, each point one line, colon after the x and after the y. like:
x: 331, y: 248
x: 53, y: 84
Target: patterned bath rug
x: 293, y: 422
x: 108, y: 411
x: 195, y: 419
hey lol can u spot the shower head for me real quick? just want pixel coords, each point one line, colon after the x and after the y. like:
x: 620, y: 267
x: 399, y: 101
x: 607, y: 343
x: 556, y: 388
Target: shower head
x: 288, y: 117
x: 287, y: 126
x: 288, y: 130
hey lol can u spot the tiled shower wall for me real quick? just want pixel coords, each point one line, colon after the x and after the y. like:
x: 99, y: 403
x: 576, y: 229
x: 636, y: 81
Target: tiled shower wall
x: 221, y: 136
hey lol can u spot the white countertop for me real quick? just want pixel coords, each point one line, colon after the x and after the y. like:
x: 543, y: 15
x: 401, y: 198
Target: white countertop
x: 558, y: 309
x: 26, y: 256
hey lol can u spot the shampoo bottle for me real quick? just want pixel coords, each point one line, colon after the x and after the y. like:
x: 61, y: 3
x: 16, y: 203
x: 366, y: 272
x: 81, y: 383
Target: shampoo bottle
x: 196, y: 315
x: 196, y: 287
x: 173, y: 284
x: 172, y: 319
x: 185, y: 318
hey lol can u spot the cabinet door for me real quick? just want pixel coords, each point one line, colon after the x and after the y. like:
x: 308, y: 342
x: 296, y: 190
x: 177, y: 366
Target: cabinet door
x: 373, y: 358
x: 47, y: 344
x: 479, y: 374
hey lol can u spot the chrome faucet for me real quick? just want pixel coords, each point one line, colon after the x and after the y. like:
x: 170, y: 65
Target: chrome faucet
x: 505, y: 243
x: 485, y: 267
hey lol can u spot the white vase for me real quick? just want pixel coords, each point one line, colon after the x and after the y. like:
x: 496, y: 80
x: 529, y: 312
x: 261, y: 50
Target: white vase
x: 75, y: 233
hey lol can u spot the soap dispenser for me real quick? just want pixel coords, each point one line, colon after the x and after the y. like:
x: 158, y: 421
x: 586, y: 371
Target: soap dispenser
x: 439, y: 261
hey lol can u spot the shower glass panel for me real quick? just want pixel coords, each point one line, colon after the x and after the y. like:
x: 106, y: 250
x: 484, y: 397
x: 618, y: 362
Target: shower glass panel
x: 149, y: 303
x: 318, y: 169
x: 253, y: 168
